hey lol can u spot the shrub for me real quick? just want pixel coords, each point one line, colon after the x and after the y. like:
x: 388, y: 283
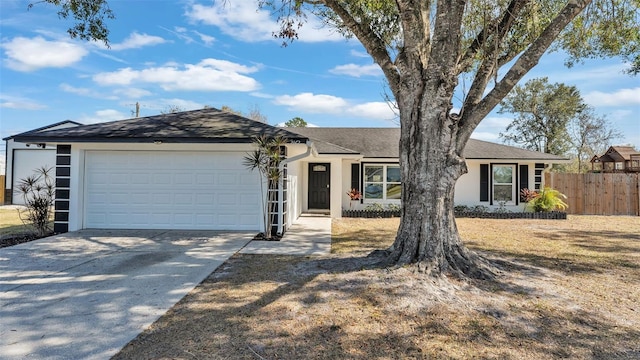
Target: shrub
x: 374, y: 207
x: 547, y: 199
x: 393, y: 207
x: 38, y: 191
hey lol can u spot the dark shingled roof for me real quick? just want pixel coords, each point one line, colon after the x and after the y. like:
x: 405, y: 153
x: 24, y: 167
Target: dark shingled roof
x: 44, y: 128
x: 384, y: 143
x: 197, y: 126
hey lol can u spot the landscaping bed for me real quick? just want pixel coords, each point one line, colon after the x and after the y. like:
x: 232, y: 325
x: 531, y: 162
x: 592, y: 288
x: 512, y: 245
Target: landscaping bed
x: 551, y: 215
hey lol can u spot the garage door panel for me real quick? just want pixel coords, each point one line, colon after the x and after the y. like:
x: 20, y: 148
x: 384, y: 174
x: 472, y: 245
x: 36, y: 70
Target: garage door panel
x: 181, y: 190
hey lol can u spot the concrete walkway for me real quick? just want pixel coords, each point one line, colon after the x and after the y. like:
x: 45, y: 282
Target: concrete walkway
x: 309, y: 235
x: 86, y: 294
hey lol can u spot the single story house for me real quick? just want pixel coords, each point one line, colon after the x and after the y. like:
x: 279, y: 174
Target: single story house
x: 22, y: 159
x: 617, y: 159
x: 185, y: 171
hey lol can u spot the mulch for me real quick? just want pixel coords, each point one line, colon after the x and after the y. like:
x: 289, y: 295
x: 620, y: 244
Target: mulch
x: 12, y: 240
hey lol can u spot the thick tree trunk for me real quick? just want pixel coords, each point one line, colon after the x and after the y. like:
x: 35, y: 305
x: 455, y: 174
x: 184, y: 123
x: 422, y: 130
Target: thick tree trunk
x: 431, y: 165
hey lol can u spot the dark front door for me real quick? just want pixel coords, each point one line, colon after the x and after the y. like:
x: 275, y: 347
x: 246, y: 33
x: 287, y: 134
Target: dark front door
x: 319, y: 179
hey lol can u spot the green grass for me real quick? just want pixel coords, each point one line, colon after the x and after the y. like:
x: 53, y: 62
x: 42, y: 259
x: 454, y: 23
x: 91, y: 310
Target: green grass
x: 10, y: 223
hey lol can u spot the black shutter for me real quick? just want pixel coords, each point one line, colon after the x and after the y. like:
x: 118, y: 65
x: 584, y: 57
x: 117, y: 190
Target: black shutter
x: 524, y: 179
x: 484, y: 182
x: 355, y: 176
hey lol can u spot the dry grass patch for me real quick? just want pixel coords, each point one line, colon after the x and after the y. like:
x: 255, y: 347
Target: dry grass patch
x: 9, y: 219
x: 13, y: 231
x: 568, y: 289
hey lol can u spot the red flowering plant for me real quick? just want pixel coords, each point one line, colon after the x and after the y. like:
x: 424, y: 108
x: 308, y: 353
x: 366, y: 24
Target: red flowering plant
x: 354, y: 194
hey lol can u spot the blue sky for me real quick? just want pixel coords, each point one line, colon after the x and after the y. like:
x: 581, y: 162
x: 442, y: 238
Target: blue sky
x: 196, y: 53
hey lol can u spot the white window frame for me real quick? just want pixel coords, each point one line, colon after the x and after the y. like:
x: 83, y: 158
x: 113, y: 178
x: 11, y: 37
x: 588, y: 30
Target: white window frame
x: 383, y: 182
x: 513, y: 183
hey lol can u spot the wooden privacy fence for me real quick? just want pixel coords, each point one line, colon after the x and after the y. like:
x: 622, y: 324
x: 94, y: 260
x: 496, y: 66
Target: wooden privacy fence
x: 598, y: 193
x: 2, y: 192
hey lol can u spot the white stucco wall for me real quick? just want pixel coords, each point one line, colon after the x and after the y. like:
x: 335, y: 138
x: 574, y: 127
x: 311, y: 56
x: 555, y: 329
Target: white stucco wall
x: 468, y: 186
x: 22, y: 159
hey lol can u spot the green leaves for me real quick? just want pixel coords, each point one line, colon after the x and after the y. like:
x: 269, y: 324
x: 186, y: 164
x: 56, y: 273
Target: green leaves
x: 90, y: 17
x: 546, y: 200
x: 543, y: 112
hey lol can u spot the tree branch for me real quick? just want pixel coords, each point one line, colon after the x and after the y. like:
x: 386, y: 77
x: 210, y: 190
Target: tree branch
x: 505, y: 24
x: 374, y: 45
x: 529, y: 58
x: 491, y: 63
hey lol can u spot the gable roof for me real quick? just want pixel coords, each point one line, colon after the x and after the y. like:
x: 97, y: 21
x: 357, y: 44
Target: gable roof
x: 384, y: 143
x: 44, y: 128
x: 618, y: 154
x: 198, y: 126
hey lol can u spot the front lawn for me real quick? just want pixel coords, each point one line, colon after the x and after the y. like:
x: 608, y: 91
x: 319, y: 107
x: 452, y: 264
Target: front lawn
x: 12, y: 230
x: 567, y: 289
x: 10, y: 223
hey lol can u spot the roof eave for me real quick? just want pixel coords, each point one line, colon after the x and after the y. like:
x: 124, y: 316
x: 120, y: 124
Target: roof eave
x: 71, y: 139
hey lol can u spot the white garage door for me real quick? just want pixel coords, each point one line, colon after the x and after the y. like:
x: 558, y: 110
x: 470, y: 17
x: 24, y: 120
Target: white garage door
x: 170, y: 190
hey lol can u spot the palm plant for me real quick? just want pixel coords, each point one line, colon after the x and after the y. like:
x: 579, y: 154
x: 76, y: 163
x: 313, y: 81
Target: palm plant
x: 266, y: 159
x: 547, y: 199
x: 38, y: 192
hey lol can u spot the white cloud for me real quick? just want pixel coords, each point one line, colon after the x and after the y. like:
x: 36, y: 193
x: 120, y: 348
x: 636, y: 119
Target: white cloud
x: 357, y: 70
x: 136, y: 40
x: 206, y: 39
x: 180, y: 33
x: 103, y: 116
x: 578, y: 74
x: 619, y: 97
x: 312, y: 103
x: 85, y: 92
x: 131, y: 92
x: 490, y: 128
x: 486, y: 136
x: 207, y: 75
x: 360, y: 54
x: 16, y: 102
x: 378, y: 110
x: 329, y: 104
x: 261, y: 95
x: 159, y: 105
x: 242, y: 20
x: 24, y: 54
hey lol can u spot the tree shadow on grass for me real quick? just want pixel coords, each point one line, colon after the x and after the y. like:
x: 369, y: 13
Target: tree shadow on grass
x: 272, y: 307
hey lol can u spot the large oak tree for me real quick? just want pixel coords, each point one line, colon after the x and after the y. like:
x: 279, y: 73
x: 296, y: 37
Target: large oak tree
x: 424, y: 48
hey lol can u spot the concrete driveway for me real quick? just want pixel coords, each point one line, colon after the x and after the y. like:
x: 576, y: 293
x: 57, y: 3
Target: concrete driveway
x: 86, y: 294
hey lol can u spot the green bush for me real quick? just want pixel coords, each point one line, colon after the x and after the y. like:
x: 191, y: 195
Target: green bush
x: 547, y: 199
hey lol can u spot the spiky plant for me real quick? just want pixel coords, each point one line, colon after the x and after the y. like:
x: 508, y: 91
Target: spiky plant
x: 266, y: 159
x: 38, y: 192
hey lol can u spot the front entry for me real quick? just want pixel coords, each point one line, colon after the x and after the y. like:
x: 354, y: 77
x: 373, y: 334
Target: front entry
x: 319, y: 180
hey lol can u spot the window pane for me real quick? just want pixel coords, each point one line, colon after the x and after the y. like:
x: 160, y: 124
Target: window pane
x: 502, y: 193
x: 502, y: 174
x: 373, y: 191
x: 393, y: 191
x: 393, y: 174
x: 373, y: 173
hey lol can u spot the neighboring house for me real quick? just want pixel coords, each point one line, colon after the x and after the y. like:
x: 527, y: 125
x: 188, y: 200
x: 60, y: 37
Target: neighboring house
x: 185, y: 171
x: 22, y: 159
x: 617, y: 159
